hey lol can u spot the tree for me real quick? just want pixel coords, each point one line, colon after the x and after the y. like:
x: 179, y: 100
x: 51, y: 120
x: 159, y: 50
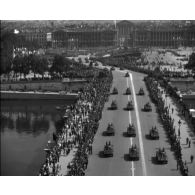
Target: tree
x: 25, y: 68
x: 102, y: 74
x: 6, y: 65
x: 17, y: 64
x: 157, y: 73
x: 43, y: 66
x: 60, y: 64
x: 34, y: 63
x: 8, y: 39
x: 191, y: 62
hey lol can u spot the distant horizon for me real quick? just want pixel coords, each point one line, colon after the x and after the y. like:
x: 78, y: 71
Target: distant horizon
x: 98, y: 21
x: 17, y: 24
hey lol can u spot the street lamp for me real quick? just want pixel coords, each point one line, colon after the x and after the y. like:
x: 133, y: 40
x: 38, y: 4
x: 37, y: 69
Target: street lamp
x: 65, y: 118
x: 179, y: 122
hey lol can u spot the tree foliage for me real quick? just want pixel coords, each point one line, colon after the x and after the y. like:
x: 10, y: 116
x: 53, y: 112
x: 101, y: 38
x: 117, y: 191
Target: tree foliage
x: 38, y: 64
x: 191, y: 62
x: 60, y: 64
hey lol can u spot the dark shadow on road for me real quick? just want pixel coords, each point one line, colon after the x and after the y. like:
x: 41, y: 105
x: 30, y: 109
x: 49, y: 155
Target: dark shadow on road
x: 143, y: 110
x: 154, y: 161
x: 126, y: 109
x: 111, y: 109
x: 125, y: 134
x: 128, y: 158
x: 137, y: 94
x: 104, y: 133
x: 101, y: 155
x: 147, y: 136
x: 126, y: 94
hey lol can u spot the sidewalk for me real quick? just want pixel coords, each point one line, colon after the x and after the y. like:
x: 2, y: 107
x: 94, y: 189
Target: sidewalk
x: 64, y: 160
x: 185, y: 132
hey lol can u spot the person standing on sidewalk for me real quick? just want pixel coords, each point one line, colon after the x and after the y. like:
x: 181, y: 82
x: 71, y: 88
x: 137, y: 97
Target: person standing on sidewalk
x: 172, y: 110
x: 189, y: 144
x: 187, y: 140
x: 191, y: 158
x: 178, y: 132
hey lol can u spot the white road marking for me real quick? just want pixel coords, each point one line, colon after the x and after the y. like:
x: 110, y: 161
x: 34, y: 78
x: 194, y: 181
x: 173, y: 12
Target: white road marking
x: 132, y: 163
x: 131, y: 140
x: 139, y: 128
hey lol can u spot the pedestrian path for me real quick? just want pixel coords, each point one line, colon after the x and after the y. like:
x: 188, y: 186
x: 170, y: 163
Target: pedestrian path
x: 65, y: 160
x: 183, y: 131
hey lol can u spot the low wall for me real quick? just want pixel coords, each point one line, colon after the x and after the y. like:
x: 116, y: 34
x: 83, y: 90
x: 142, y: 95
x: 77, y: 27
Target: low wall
x: 37, y: 96
x: 31, y: 86
x: 53, y: 86
x: 184, y: 86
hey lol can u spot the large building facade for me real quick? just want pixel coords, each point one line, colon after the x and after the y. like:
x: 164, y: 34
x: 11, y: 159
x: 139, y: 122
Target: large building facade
x: 124, y: 33
x: 132, y: 35
x: 78, y: 39
x: 37, y: 36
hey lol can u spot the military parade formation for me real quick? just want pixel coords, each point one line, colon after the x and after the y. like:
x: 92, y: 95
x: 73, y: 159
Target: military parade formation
x: 160, y: 156
x: 90, y: 118
x: 79, y: 125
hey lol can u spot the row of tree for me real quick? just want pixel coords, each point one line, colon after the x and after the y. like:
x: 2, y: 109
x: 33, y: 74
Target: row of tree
x: 191, y: 62
x: 37, y: 64
x: 9, y: 40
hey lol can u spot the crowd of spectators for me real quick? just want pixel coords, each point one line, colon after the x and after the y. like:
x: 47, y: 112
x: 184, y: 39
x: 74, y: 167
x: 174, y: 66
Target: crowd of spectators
x: 140, y: 63
x: 184, y: 109
x: 79, y: 127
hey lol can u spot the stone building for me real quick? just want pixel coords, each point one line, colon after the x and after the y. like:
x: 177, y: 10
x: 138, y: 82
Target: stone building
x: 131, y: 35
x: 124, y: 33
x: 77, y: 39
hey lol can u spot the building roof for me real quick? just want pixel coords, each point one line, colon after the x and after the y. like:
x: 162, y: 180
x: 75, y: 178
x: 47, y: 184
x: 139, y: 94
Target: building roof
x: 125, y: 22
x: 83, y: 30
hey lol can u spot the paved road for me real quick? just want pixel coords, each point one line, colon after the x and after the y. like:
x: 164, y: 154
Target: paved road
x: 118, y: 164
